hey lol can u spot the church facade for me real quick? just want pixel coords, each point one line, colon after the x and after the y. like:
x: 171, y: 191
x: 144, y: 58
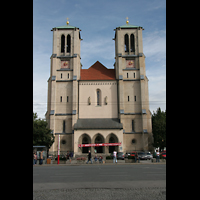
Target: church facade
x: 98, y: 108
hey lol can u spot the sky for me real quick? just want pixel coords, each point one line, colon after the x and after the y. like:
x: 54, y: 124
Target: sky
x: 97, y: 21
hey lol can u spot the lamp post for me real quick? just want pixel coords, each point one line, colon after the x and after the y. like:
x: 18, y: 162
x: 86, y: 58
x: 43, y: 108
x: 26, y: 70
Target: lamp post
x: 58, y: 149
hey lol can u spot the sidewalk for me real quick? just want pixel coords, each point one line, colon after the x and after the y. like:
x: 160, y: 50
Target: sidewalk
x: 119, y: 162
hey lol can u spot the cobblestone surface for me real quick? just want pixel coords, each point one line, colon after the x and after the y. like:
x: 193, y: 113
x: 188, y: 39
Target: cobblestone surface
x: 149, y: 193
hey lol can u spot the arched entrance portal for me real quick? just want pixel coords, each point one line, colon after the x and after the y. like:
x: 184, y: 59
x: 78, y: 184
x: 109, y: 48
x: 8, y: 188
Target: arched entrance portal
x: 99, y: 139
x: 113, y: 139
x: 85, y: 139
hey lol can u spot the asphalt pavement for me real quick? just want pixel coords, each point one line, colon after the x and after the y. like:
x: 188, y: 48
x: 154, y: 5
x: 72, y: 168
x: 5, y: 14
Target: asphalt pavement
x: 143, y: 181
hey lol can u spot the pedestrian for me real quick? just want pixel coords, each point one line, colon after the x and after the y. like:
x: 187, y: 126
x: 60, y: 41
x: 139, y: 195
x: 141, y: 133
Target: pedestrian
x: 70, y: 156
x: 137, y: 157
x: 95, y: 158
x: 89, y: 157
x: 114, y: 156
x: 157, y: 156
x: 33, y: 158
x: 41, y: 158
x: 100, y: 159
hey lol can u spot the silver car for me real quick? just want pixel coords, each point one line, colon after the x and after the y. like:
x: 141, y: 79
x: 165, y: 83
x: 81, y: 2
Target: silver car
x: 149, y: 155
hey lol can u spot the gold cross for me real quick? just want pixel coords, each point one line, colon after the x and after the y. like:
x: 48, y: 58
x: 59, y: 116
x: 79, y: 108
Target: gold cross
x: 67, y: 20
x: 127, y: 20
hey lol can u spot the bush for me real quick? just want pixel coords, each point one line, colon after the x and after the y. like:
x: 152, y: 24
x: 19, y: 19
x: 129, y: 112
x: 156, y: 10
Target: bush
x: 109, y: 158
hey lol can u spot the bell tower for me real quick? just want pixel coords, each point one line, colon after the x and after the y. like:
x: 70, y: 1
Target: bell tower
x: 130, y: 72
x: 62, y: 108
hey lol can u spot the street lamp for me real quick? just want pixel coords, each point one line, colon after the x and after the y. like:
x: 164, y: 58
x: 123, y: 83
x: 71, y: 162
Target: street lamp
x: 58, y: 149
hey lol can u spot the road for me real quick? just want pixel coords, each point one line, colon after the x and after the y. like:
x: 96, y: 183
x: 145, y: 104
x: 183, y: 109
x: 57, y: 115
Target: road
x: 108, y: 181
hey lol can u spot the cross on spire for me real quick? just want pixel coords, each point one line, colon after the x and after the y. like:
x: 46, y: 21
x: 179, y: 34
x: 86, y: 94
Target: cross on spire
x: 67, y: 21
x: 127, y: 20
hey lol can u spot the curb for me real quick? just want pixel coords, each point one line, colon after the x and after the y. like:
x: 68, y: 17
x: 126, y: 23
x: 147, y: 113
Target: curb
x: 78, y: 164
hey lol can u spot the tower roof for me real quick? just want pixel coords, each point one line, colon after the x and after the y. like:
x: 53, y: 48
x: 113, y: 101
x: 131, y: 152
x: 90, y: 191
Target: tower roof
x: 128, y: 26
x: 97, y: 72
x: 65, y: 27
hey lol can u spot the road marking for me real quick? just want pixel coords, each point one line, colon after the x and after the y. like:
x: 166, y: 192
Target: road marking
x: 113, y: 175
x: 154, y: 172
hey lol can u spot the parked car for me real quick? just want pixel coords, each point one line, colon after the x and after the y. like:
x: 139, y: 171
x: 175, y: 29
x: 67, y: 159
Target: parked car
x: 149, y: 155
x: 132, y: 153
x: 120, y: 155
x: 142, y: 156
x: 163, y: 155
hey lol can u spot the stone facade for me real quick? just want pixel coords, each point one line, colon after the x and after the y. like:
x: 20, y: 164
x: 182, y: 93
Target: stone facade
x: 99, y: 105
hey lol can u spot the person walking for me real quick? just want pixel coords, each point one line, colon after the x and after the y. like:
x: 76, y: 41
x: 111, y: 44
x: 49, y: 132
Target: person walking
x: 114, y: 156
x: 157, y: 156
x: 41, y: 158
x: 89, y: 157
x: 137, y: 157
x: 70, y: 156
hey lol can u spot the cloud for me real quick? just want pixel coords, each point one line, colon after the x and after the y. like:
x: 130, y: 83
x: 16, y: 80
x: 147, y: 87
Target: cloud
x: 155, y: 45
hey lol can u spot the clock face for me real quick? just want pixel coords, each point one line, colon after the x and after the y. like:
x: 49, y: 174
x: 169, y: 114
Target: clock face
x: 130, y: 64
x: 65, y: 64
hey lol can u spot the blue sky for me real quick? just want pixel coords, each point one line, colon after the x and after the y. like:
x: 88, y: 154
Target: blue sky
x: 97, y: 20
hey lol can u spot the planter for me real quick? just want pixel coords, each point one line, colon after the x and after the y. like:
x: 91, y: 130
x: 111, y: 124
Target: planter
x: 109, y: 161
x: 129, y: 160
x: 81, y: 161
x: 60, y: 162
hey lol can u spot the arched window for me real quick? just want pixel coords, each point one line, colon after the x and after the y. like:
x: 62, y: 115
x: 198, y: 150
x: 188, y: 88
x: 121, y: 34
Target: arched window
x: 62, y: 44
x: 126, y: 43
x: 68, y: 43
x: 98, y: 97
x: 132, y: 43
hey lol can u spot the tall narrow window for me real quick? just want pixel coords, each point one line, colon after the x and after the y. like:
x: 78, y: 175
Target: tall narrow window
x: 63, y: 126
x: 61, y: 75
x: 62, y: 44
x: 133, y: 128
x: 67, y: 98
x: 126, y: 43
x: 68, y: 75
x: 134, y: 75
x: 135, y: 98
x: 132, y: 43
x: 127, y: 75
x: 60, y: 98
x: 128, y: 98
x: 68, y: 43
x: 98, y: 97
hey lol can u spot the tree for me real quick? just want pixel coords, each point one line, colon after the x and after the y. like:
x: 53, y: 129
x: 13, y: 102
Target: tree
x: 41, y: 134
x: 159, y: 128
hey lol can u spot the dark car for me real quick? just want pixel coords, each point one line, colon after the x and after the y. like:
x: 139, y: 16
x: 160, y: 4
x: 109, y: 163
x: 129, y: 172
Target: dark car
x: 120, y: 155
x: 142, y: 156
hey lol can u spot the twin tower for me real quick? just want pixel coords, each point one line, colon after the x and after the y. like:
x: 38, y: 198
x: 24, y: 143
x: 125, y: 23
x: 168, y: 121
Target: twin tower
x: 98, y: 108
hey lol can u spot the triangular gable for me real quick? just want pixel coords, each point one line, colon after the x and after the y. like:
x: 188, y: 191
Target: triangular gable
x: 97, y: 72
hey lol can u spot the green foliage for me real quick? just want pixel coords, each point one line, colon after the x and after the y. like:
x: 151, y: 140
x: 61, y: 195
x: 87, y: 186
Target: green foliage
x: 41, y: 134
x: 159, y: 128
x: 131, y: 157
x: 109, y: 157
